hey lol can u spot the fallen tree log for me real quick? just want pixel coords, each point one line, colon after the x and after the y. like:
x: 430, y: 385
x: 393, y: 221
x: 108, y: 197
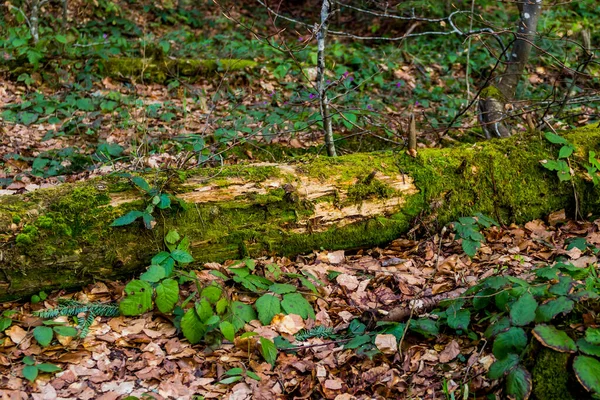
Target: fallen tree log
x: 61, y: 238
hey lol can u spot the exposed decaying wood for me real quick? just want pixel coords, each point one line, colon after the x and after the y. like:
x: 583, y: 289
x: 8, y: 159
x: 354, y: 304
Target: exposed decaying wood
x: 61, y: 238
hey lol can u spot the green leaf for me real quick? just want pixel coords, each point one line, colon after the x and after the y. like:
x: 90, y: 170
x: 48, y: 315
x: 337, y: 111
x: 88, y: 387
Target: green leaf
x: 358, y: 341
x: 483, y: 298
x: 282, y: 288
x: 141, y: 183
x: 28, y: 360
x: 563, y: 287
x: 172, y: 237
x: 424, y: 326
x: 154, y: 274
x: 295, y: 303
x: 204, y: 310
x: 84, y: 104
x: 252, y: 375
x: 212, y: 293
x: 192, y: 327
x: 127, y: 218
x: 234, y: 371
x: 231, y: 379
x: 47, y: 367
x: 5, y: 323
x: 588, y: 348
x: 167, y: 295
x: 160, y: 258
x: 28, y: 118
x: 68, y: 331
x: 587, y: 371
x: 267, y: 306
x: 470, y: 247
x: 513, y: 340
x: 554, y: 138
x: 553, y: 338
x: 501, y: 367
x: 147, y: 218
x: 592, y: 335
x: 552, y: 308
x: 522, y: 311
x: 165, y: 201
x: 138, y: 298
x: 566, y: 151
x: 43, y: 335
x: 212, y: 320
x: 242, y: 313
x: 459, y: 320
x: 228, y: 330
x: 518, y: 384
x: 182, y: 256
x: 221, y: 306
x: 268, y: 350
x: 30, y: 372
x: 61, y: 39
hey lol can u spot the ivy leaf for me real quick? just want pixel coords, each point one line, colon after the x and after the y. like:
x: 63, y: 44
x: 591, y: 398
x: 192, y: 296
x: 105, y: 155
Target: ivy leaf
x: 518, y: 384
x: 295, y: 303
x: 127, y: 218
x: 43, y: 335
x: 268, y: 350
x: 192, y: 327
x: 267, y: 306
x: 522, y: 311
x: 138, y: 298
x: 148, y: 220
x: 167, y: 295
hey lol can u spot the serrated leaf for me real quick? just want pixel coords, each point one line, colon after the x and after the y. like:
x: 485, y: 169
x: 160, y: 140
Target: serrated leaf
x: 282, y: 288
x: 182, y: 256
x: 127, y: 219
x: 588, y: 348
x: 192, y: 327
x: 513, y: 340
x: 502, y: 367
x: 459, y: 320
x: 553, y: 338
x: 552, y: 308
x: 212, y: 293
x: 43, y: 335
x: 522, y: 312
x: 228, y: 330
x: 68, y: 331
x: 160, y: 258
x: 470, y: 247
x: 587, y: 371
x: 295, y: 303
x: 138, y: 298
x: 30, y: 372
x: 554, y: 138
x: 268, y: 350
x: 154, y: 274
x: 141, y: 183
x: 242, y: 313
x: 518, y: 384
x: 592, y: 335
x: 47, y: 367
x: 172, y: 237
x: 204, y: 310
x: 267, y: 306
x: 167, y: 295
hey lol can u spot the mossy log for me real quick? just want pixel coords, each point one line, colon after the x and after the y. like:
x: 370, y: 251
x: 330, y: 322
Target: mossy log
x: 61, y: 238
x: 159, y: 70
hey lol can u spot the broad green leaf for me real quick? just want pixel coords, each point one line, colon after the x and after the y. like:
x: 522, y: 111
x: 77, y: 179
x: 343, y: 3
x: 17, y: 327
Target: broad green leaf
x: 61, y: 39
x: 127, y: 218
x: 154, y: 273
x: 522, y: 312
x: 553, y: 338
x: 204, y: 310
x: 554, y: 138
x: 172, y: 237
x: 28, y: 360
x: 267, y: 306
x: 5, y: 323
x: 295, y: 303
x: 588, y: 348
x: 138, y: 298
x: 501, y: 367
x: 470, y: 247
x: 192, y: 327
x: 234, y: 371
x: 160, y: 258
x: 84, y: 104
x: 459, y: 320
x: 424, y: 326
x: 518, y: 384
x: 563, y: 287
x: 68, y: 331
x: 565, y: 151
x: 167, y: 295
x: 358, y: 341
x: 30, y: 372
x: 47, y: 367
x: 282, y: 288
x: 552, y: 308
x: 141, y: 183
x: 513, y: 340
x: 268, y: 350
x: 587, y: 371
x: 483, y: 299
x: 592, y: 335
x: 182, y: 256
x: 231, y: 379
x: 221, y: 305
x: 213, y: 320
x: 28, y: 118
x: 165, y: 201
x: 242, y: 313
x: 228, y: 330
x: 43, y: 335
x: 212, y: 293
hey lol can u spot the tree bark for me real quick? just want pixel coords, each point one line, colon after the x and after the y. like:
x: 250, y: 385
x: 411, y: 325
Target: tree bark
x: 493, y: 101
x: 61, y: 238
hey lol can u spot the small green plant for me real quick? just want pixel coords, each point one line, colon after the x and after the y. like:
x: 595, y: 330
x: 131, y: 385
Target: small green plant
x: 468, y: 229
x: 36, y: 298
x: 562, y: 164
x: 32, y: 369
x: 6, y: 320
x: 237, y: 374
x: 45, y: 333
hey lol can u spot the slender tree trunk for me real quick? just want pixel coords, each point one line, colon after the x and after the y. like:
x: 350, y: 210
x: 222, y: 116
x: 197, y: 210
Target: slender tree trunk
x: 494, y: 99
x: 34, y: 19
x: 321, y: 85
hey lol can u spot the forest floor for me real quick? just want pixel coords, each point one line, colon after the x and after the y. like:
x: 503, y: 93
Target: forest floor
x: 122, y: 357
